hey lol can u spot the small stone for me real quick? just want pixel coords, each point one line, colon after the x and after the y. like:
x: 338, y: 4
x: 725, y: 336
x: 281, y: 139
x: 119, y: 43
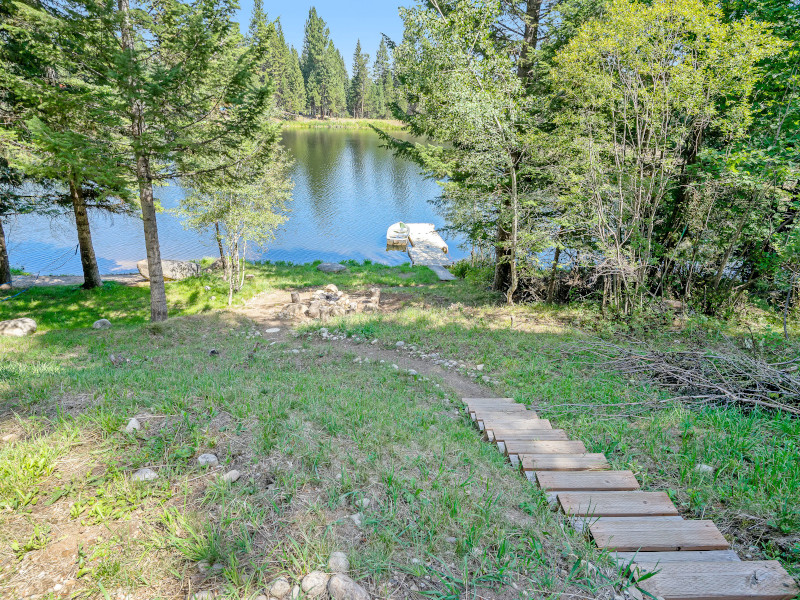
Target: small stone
x: 203, y: 595
x: 213, y: 297
x: 133, y: 425
x: 338, y: 563
x: 295, y: 592
x: 272, y: 330
x: 145, y: 475
x: 411, y: 372
x: 207, y: 288
x: 363, y: 502
x: 486, y: 379
x: 331, y: 289
x: 331, y: 268
x: 314, y: 584
x: 101, y: 324
x: 261, y: 597
x: 341, y: 587
x: 18, y: 327
x: 9, y: 437
x: 295, y: 351
x: 400, y: 344
x: 203, y: 566
x: 207, y: 460
x: 213, y: 352
x: 356, y: 518
x: 450, y: 540
x: 279, y: 588
x: 479, y: 367
x: 704, y: 469
x: 231, y: 476
x: 395, y: 367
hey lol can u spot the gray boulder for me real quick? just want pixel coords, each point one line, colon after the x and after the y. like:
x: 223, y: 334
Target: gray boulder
x: 18, y: 327
x: 341, y: 587
x: 331, y: 268
x: 101, y: 324
x: 174, y: 270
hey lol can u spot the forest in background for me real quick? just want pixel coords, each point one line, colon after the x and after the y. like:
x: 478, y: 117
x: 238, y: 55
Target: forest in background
x: 624, y: 152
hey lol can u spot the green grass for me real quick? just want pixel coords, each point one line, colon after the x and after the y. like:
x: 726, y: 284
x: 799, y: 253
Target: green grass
x: 314, y: 433
x: 342, y: 123
x: 20, y: 271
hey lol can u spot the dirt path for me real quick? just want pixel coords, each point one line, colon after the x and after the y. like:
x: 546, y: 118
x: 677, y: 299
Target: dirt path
x: 263, y: 310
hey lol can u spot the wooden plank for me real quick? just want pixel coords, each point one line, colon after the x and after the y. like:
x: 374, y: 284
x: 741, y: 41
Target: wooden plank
x: 485, y: 412
x: 653, y: 535
x: 564, y: 462
x: 617, y: 504
x: 425, y: 254
x: 501, y: 435
x: 690, y: 580
x: 469, y: 401
x: 503, y: 419
x: 533, y: 425
x: 582, y: 523
x: 581, y: 481
x: 545, y: 447
x: 627, y: 558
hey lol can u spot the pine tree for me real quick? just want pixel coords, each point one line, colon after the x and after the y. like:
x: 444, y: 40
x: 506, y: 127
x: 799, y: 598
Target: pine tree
x: 384, y: 81
x: 312, y: 61
x: 359, y: 85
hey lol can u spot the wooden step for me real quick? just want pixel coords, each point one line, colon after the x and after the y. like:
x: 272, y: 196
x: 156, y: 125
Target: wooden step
x: 469, y: 401
x: 484, y: 412
x: 692, y: 580
x: 505, y: 419
x: 544, y: 447
x: 625, y: 558
x: 582, y: 523
x: 564, y: 462
x: 535, y: 424
x: 655, y: 535
x: 581, y: 481
x: 531, y: 435
x: 617, y: 504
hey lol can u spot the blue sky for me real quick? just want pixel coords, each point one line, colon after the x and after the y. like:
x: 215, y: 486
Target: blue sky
x: 348, y: 21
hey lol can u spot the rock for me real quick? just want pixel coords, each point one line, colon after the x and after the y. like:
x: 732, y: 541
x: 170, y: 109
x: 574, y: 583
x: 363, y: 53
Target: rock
x: 174, y: 270
x: 331, y: 268
x: 400, y: 344
x: 341, y: 587
x: 371, y: 307
x: 5, y: 287
x: 363, y: 502
x: 338, y: 563
x: 450, y: 540
x: 279, y: 588
x: 479, y: 367
x: 704, y: 469
x: 9, y: 438
x: 290, y: 311
x: 315, y: 310
x: 249, y: 276
x: 101, y: 324
x: 203, y: 595
x: 231, y: 476
x: 411, y: 372
x: 375, y: 295
x: 213, y: 297
x: 272, y: 330
x: 261, y: 597
x: 314, y: 584
x: 213, y: 352
x: 356, y: 518
x: 133, y: 425
x: 207, y: 288
x: 295, y: 592
x: 217, y: 265
x: 331, y: 289
x: 145, y: 475
x: 486, y: 379
x: 18, y: 327
x: 295, y: 297
x: 207, y: 460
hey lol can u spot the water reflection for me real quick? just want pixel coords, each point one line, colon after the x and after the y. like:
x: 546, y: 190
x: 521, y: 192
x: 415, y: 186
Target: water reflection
x: 348, y: 190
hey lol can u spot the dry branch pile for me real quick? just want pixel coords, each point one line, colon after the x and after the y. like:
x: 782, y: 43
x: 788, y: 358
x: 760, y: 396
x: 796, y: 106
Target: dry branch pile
x: 712, y: 377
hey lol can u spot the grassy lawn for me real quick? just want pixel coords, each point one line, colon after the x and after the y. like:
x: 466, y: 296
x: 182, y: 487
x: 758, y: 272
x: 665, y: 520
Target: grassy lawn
x: 319, y: 438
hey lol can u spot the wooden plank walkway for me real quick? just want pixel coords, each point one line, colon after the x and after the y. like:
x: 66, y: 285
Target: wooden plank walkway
x: 424, y: 245
x: 683, y: 559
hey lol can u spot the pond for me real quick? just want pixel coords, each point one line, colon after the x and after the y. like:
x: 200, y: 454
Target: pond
x: 348, y: 190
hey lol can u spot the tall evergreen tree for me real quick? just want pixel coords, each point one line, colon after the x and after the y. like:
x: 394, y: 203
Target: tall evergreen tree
x: 384, y: 81
x: 359, y: 84
x: 313, y: 60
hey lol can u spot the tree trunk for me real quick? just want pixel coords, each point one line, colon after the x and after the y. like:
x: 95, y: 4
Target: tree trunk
x: 502, y: 269
x: 5, y: 266
x: 530, y: 37
x: 222, y: 256
x: 158, y: 295
x: 91, y: 273
x: 551, y: 288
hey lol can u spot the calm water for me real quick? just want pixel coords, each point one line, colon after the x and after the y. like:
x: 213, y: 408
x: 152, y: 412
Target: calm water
x: 348, y: 190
